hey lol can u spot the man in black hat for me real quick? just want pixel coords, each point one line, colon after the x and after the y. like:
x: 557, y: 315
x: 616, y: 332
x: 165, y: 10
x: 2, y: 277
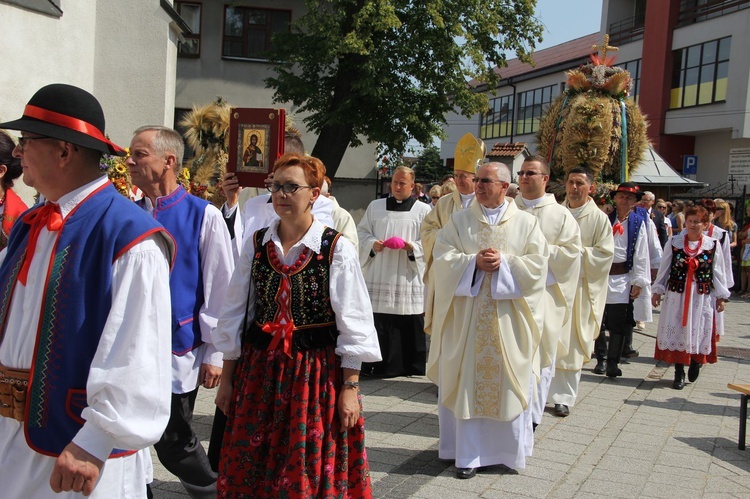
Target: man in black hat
x: 628, y: 276
x: 85, y: 317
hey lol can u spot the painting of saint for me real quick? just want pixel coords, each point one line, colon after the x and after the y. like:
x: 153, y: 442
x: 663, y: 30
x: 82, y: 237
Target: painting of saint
x: 253, y: 155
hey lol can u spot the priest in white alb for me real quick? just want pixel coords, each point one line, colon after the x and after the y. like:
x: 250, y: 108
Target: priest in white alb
x: 488, y: 317
x: 564, y: 240
x: 591, y: 290
x: 469, y: 154
x: 392, y: 260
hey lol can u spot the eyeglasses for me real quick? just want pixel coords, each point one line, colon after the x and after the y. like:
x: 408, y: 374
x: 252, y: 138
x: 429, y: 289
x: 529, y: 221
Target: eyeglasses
x: 288, y: 188
x: 23, y: 140
x: 485, y: 180
x: 528, y: 173
x: 661, y: 207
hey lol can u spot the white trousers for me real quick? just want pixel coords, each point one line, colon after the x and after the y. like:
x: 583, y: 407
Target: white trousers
x: 564, y: 387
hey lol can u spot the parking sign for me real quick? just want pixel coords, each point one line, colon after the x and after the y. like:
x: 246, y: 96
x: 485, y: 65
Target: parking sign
x: 689, y: 165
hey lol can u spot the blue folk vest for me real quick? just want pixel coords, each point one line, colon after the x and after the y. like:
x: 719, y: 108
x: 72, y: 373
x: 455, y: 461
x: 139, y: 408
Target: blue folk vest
x: 182, y: 215
x: 75, y: 306
x: 635, y: 218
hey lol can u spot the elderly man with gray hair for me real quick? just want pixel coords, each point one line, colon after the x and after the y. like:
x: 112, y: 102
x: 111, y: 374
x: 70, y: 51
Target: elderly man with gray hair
x: 488, y: 317
x: 198, y: 284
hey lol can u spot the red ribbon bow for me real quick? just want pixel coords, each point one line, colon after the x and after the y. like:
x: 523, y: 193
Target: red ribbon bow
x: 48, y: 215
x: 692, y: 266
x: 280, y: 332
x: 617, y: 229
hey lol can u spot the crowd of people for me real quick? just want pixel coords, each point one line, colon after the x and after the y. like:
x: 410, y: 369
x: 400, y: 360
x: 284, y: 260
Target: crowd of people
x: 116, y: 312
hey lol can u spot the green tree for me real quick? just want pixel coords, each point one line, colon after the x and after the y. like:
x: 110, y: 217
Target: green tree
x: 429, y: 165
x: 390, y: 70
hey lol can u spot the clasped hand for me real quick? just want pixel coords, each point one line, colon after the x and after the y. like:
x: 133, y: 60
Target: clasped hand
x: 488, y: 260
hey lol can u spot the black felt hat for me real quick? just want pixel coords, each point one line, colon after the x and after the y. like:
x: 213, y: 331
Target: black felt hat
x: 66, y: 113
x: 628, y: 187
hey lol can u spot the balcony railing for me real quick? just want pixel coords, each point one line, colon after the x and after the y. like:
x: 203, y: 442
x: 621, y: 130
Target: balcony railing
x: 695, y: 11
x: 626, y: 31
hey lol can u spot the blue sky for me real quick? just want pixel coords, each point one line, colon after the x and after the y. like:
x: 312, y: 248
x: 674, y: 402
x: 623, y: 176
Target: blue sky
x: 567, y: 19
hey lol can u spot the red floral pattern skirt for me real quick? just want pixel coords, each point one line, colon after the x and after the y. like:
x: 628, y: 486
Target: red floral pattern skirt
x: 283, y: 436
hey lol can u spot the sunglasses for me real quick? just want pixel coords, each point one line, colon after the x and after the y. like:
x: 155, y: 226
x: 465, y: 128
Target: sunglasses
x: 485, y: 180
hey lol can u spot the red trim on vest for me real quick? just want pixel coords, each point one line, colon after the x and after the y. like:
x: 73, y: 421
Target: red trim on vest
x: 143, y: 237
x: 39, y: 331
x: 69, y: 403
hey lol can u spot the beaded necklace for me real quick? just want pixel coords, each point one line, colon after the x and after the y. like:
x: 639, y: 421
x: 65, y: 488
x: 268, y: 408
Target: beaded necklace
x: 274, y: 258
x: 692, y: 252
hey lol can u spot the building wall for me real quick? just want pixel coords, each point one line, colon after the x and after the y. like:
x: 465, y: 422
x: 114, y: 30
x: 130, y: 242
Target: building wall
x: 135, y: 86
x: 708, y: 131
x: 712, y: 150
x: 85, y: 48
x: 458, y: 125
x: 732, y: 114
x: 241, y: 83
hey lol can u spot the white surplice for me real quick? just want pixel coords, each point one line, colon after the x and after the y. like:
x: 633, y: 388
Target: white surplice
x: 394, y: 280
x: 128, y: 387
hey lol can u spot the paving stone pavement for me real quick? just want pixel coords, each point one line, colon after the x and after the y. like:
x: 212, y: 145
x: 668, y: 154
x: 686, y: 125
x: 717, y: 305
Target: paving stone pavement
x: 630, y: 437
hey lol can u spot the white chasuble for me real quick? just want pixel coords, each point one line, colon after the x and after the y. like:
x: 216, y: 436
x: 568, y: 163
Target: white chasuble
x: 564, y: 240
x: 431, y: 225
x: 591, y: 294
x: 483, y: 345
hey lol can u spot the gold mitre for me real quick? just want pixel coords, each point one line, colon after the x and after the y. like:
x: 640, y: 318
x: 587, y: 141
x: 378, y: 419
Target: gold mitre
x: 470, y: 153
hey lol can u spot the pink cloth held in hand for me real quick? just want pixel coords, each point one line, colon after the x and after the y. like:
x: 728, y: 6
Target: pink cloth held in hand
x: 394, y: 242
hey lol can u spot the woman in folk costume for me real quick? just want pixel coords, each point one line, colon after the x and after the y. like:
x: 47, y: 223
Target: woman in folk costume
x: 722, y: 236
x: 11, y: 206
x: 692, y: 279
x: 298, y: 324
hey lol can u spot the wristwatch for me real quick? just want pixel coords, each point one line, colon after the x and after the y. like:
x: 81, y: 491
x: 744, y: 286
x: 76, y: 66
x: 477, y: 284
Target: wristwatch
x: 353, y: 384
